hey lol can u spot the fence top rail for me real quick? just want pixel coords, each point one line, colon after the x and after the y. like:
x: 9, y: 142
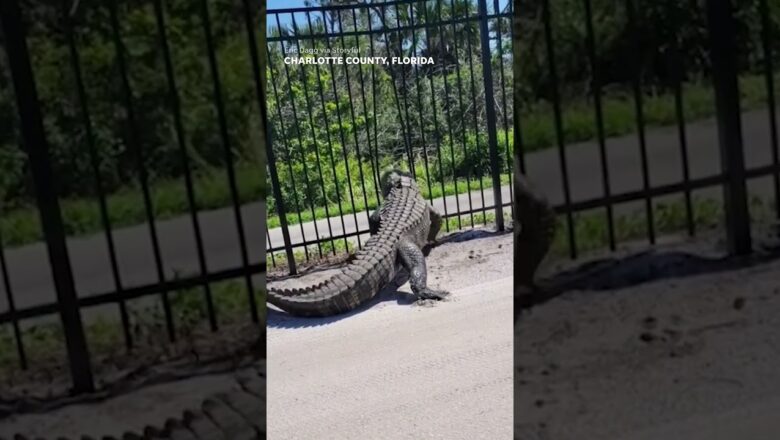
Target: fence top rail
x: 418, y: 26
x: 352, y: 6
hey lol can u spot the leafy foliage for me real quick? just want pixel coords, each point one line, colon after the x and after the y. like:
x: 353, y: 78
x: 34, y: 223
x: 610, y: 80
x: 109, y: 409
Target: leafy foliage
x: 337, y: 126
x: 140, y: 134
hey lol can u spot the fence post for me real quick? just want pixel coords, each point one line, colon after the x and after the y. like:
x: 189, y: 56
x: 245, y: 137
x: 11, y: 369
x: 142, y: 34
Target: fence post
x: 277, y: 190
x: 490, y: 113
x: 34, y: 141
x: 724, y: 77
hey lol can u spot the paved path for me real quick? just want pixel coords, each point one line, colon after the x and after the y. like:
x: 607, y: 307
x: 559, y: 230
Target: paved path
x: 396, y: 370
x: 30, y: 274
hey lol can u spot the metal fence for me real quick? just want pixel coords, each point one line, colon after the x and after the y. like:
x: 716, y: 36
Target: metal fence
x: 207, y: 267
x: 688, y: 157
x: 336, y: 126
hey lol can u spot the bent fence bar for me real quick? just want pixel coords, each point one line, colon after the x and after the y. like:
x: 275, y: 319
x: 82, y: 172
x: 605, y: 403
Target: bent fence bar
x: 180, y: 153
x: 336, y: 126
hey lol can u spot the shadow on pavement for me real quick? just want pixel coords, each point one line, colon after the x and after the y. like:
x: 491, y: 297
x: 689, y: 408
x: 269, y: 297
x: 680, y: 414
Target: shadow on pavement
x: 621, y: 272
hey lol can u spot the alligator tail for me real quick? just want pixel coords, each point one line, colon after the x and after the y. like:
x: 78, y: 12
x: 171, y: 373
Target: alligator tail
x: 372, y: 268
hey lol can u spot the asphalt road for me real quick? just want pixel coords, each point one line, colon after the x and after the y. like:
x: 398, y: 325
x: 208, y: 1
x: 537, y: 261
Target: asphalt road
x: 30, y: 276
x: 396, y: 370
x: 584, y: 172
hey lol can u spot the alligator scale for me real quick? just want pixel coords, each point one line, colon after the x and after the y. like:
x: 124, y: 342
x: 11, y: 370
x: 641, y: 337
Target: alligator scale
x: 399, y: 229
x: 236, y: 414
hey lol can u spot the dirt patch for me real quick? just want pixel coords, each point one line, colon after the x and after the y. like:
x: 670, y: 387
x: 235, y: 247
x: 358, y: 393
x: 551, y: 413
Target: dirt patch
x: 611, y: 361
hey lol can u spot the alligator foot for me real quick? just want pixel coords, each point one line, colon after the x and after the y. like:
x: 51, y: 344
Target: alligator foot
x: 428, y: 293
x: 524, y: 296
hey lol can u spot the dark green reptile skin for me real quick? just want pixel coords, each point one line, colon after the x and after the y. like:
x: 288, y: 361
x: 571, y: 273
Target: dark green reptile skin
x: 405, y: 217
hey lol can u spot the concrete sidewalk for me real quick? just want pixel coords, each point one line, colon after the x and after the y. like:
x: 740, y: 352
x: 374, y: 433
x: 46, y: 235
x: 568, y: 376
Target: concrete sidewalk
x: 395, y: 370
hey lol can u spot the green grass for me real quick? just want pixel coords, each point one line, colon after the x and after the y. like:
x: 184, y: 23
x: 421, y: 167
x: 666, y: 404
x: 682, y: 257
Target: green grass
x: 45, y: 345
x: 537, y: 121
x: 450, y: 188
x: 591, y: 232
x: 126, y: 207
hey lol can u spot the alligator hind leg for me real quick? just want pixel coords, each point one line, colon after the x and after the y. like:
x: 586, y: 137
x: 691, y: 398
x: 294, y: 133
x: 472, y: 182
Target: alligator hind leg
x: 413, y: 261
x: 535, y: 223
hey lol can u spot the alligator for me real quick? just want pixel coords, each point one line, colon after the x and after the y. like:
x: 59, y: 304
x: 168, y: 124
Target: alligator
x: 534, y: 227
x: 238, y: 414
x: 534, y: 219
x: 399, y: 229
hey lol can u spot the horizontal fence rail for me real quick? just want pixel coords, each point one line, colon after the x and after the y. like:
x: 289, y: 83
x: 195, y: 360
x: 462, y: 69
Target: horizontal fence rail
x: 145, y: 140
x: 337, y: 126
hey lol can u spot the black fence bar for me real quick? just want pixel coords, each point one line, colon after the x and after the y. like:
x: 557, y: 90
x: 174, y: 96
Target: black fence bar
x: 398, y: 31
x: 277, y: 192
x: 307, y: 189
x: 461, y: 111
x: 420, y: 109
x: 138, y: 292
x: 640, y: 118
x: 329, y: 140
x: 269, y: 245
x: 558, y: 122
x: 95, y: 165
x: 36, y: 146
x: 314, y: 138
x: 354, y: 132
x: 374, y: 170
x: 341, y: 132
x: 500, y: 46
x: 228, y: 158
x: 472, y: 82
x: 398, y: 28
x: 599, y: 115
x: 9, y: 295
x: 448, y: 118
x: 724, y: 77
x: 677, y: 67
x: 181, y: 141
x: 518, y: 128
x: 436, y: 131
x: 490, y: 110
x: 288, y: 155
x: 769, y: 75
x: 135, y: 145
x: 372, y: 52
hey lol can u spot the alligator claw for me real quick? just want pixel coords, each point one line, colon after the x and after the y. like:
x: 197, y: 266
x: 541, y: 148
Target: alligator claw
x: 432, y: 294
